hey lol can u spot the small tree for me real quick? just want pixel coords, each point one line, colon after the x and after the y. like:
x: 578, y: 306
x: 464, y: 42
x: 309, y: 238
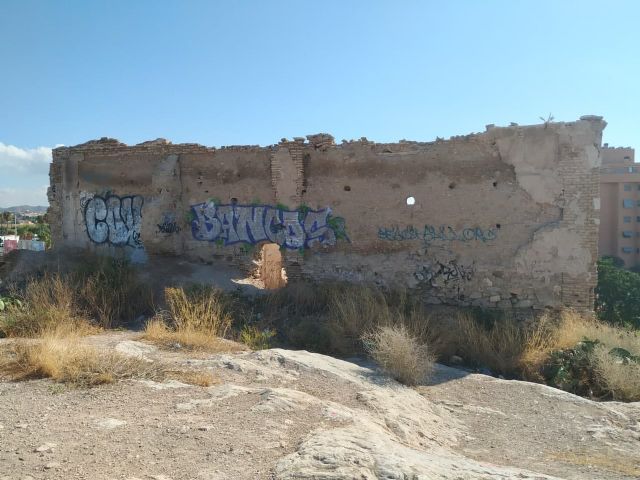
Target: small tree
x: 618, y: 295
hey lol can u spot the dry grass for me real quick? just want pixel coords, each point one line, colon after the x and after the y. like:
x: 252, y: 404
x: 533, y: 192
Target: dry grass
x: 157, y: 331
x: 200, y: 309
x: 622, y: 380
x: 59, y: 355
x: 575, y: 327
x: 523, y: 350
x: 612, y: 462
x: 498, y: 346
x: 103, y: 292
x: 400, y: 354
x: 198, y: 318
x: 201, y: 378
x: 354, y: 310
x: 48, y: 303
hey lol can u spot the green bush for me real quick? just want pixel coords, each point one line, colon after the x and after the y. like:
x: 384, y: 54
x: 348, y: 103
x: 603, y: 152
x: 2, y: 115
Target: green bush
x: 256, y: 338
x: 618, y: 295
x: 572, y: 369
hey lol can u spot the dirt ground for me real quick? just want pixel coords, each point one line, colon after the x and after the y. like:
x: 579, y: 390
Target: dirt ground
x: 293, y: 414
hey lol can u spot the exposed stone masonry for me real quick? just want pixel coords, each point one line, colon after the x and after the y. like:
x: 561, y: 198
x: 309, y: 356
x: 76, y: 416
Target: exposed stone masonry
x: 505, y: 218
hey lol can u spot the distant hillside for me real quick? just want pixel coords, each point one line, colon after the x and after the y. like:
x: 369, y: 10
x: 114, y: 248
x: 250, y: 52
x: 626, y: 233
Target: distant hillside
x: 25, y: 208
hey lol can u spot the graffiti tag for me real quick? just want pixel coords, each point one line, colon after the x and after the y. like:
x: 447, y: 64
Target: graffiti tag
x: 432, y: 234
x: 168, y: 225
x: 114, y: 220
x: 294, y: 229
x: 448, y: 272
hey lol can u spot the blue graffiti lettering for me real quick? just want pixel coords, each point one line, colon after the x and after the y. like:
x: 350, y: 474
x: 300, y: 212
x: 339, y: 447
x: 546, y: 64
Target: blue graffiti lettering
x: 293, y: 229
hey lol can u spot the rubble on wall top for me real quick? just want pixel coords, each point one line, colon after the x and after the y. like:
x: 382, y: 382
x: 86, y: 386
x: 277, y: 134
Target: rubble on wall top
x: 319, y: 141
x: 103, y: 142
x: 157, y: 141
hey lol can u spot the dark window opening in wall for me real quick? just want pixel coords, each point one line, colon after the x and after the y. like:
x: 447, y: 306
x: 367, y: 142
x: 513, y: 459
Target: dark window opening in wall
x: 271, y: 270
x: 637, y: 219
x: 639, y: 203
x: 452, y: 185
x: 347, y: 188
x: 495, y: 184
x: 638, y: 186
x: 627, y: 249
x: 627, y: 203
x: 627, y: 234
x: 498, y: 225
x: 627, y: 187
x: 628, y: 219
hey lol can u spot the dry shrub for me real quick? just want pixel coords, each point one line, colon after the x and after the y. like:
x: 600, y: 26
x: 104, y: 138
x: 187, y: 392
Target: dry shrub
x: 111, y: 291
x: 400, y: 354
x: 298, y: 299
x: 621, y: 379
x: 47, y: 304
x: 59, y: 355
x: 354, y: 310
x: 331, y: 317
x: 200, y: 309
x: 158, y: 331
x: 498, y: 345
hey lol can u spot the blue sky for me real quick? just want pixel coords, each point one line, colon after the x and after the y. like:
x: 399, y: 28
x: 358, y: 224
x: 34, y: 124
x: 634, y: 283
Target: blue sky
x: 252, y: 72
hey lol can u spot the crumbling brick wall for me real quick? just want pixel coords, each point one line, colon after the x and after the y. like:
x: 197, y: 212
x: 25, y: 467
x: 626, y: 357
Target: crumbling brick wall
x: 505, y: 218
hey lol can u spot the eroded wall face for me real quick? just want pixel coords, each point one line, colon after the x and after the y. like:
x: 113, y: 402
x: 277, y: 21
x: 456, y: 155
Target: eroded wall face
x: 504, y: 218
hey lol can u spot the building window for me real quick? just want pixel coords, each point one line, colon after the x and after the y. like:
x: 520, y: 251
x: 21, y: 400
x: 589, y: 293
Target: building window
x: 628, y: 219
x: 627, y: 203
x: 639, y: 186
x: 637, y: 219
x: 627, y: 187
x: 627, y: 234
x: 627, y: 249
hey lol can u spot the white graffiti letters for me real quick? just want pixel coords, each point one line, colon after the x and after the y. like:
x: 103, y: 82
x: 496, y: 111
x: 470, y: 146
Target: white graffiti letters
x: 114, y: 220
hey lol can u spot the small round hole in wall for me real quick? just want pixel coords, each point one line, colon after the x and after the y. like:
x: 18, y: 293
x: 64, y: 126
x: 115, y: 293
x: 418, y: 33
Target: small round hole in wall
x: 495, y: 184
x: 452, y: 185
x: 347, y: 188
x: 498, y: 225
x: 411, y: 201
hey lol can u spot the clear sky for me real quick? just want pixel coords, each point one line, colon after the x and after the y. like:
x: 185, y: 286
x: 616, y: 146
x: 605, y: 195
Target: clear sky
x: 252, y: 72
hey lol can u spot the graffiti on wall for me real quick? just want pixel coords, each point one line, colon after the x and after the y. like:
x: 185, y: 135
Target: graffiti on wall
x: 230, y: 224
x: 114, y: 220
x: 430, y: 234
x: 168, y: 224
x: 445, y: 272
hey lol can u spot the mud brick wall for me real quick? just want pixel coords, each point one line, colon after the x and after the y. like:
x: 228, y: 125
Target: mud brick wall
x: 505, y: 218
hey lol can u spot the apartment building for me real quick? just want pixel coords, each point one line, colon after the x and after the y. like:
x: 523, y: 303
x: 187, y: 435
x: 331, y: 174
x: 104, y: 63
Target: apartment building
x: 620, y: 205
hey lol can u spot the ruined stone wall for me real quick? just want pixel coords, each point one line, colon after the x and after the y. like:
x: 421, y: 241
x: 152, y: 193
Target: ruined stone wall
x: 504, y: 218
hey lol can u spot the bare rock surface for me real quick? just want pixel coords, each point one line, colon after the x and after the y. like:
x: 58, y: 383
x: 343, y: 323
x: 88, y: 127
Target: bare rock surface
x: 280, y: 414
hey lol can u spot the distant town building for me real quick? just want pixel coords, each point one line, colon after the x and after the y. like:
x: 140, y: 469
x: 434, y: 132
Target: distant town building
x: 620, y: 205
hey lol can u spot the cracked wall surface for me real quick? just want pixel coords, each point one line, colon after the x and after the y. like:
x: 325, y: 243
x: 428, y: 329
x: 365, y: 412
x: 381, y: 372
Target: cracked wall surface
x: 505, y: 218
